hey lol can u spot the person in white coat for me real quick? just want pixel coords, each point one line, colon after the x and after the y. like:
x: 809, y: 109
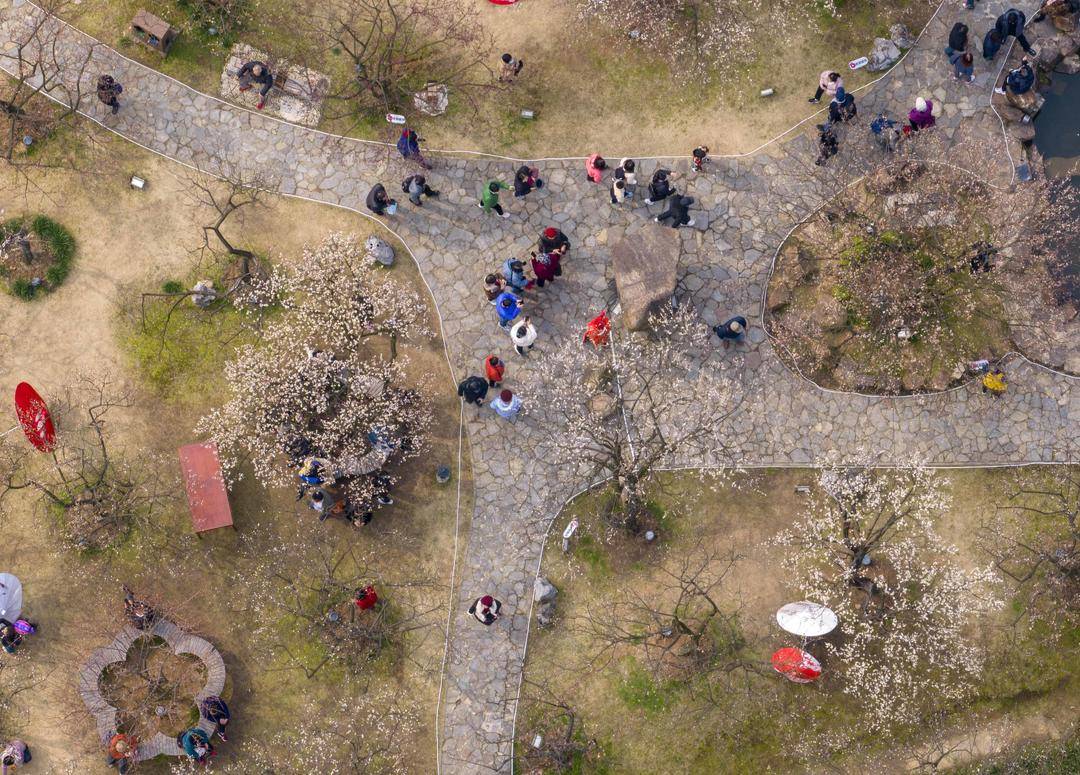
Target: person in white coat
x: 523, y: 335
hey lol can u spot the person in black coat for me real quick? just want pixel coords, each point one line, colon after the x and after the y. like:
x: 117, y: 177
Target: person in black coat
x: 660, y: 186
x: 1012, y: 23
x: 473, y: 389
x: 958, y: 39
x: 378, y: 200
x: 552, y: 239
x: 678, y: 211
x: 525, y: 180
x: 255, y: 72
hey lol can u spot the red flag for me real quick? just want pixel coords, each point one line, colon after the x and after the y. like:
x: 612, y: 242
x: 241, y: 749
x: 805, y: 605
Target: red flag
x: 34, y: 417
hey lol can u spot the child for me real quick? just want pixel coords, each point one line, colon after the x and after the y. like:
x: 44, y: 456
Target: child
x: 594, y: 168
x: 618, y: 191
x: 963, y: 66
x: 494, y: 368
x: 493, y: 286
x: 700, y: 157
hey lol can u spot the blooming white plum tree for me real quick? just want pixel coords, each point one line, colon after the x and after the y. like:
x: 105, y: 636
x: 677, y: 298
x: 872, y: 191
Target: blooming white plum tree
x: 316, y: 382
x: 867, y: 548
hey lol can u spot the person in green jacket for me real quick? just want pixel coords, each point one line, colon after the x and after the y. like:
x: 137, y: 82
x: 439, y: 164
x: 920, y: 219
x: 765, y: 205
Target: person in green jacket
x: 490, y: 198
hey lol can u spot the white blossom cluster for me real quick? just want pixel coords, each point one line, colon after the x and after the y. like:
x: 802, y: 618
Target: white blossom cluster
x: 904, y: 641
x: 317, y: 373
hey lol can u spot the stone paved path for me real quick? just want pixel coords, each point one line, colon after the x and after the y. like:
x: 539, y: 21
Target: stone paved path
x: 751, y: 203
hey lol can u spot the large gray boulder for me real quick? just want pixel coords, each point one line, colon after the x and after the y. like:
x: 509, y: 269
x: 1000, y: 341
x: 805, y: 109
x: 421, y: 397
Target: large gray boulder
x: 645, y: 265
x: 543, y: 590
x: 901, y: 36
x: 883, y: 55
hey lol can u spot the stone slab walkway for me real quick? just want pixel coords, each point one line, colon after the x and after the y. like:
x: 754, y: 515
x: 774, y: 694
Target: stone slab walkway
x: 750, y: 204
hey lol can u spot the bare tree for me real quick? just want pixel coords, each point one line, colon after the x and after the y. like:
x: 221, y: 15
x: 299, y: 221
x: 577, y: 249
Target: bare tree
x: 50, y: 82
x: 563, y: 740
x: 633, y: 406
x: 314, y: 598
x: 680, y: 625
x: 1034, y: 540
x: 101, y: 493
x: 398, y: 47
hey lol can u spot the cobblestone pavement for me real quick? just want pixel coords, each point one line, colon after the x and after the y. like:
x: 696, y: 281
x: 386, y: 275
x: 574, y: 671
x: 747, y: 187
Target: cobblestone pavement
x: 750, y: 205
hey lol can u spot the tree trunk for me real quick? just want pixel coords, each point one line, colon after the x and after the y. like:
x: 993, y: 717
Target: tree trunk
x: 24, y: 246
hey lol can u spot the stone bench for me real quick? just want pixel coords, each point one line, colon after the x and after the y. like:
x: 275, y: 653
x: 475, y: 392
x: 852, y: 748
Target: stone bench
x: 181, y: 642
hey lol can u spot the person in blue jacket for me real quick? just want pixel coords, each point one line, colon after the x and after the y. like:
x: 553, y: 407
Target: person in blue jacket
x: 513, y: 272
x: 508, y: 306
x: 196, y: 744
x: 1020, y: 80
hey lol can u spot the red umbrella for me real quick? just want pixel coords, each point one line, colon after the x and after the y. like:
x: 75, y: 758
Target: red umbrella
x: 34, y: 417
x: 796, y: 665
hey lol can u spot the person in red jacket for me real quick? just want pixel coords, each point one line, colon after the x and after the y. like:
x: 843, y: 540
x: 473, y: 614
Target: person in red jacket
x: 366, y: 598
x: 494, y: 369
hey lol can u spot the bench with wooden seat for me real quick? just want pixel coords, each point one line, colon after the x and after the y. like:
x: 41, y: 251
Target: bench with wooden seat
x: 205, y: 484
x: 293, y: 80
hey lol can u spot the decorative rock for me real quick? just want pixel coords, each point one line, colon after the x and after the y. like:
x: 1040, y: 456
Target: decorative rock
x: 203, y: 294
x: 1030, y: 102
x: 645, y: 272
x: 901, y: 36
x: 378, y: 250
x: 545, y: 615
x: 883, y: 55
x: 1049, y: 55
x: 1025, y: 133
x: 1009, y: 113
x: 1070, y: 65
x: 543, y: 590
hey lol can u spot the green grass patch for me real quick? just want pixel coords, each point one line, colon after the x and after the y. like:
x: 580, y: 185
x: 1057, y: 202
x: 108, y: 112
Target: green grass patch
x: 640, y: 691
x: 54, y: 252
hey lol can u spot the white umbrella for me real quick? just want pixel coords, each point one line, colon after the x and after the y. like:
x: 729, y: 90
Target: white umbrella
x: 10, y: 597
x: 806, y: 619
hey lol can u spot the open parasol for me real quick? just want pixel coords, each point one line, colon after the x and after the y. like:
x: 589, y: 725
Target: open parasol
x: 806, y: 619
x: 10, y: 597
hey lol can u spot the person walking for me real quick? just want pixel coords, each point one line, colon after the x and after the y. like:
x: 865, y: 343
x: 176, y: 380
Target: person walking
x: 626, y: 172
x: 508, y: 307
x: 660, y: 187
x: 958, y: 40
x: 594, y: 168
x: 922, y: 115
x: 523, y: 335
x: 108, y: 91
x: 513, y: 272
x: 489, y: 200
x: 993, y: 382
x: 493, y: 287
x: 486, y: 609
x: 731, y: 330
x: 678, y: 211
x: 473, y: 390
x: 256, y: 72
x: 494, y: 369
x: 379, y: 202
x: 214, y: 710
x: 1012, y: 23
x: 416, y: 186
x: 511, y: 68
x: 196, y: 745
x: 16, y: 752
x: 408, y: 146
x: 551, y: 239
x: 963, y: 66
x: 506, y: 405
x: 525, y: 180
x: 828, y: 83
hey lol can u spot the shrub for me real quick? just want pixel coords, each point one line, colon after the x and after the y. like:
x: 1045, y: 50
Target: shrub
x: 60, y: 244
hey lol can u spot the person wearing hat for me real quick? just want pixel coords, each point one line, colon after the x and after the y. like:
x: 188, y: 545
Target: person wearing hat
x: 509, y: 307
x: 121, y: 752
x: 523, y: 335
x: 551, y: 239
x: 485, y: 609
x: 507, y: 405
x: 922, y: 115
x: 842, y: 108
x: 494, y: 368
x: 473, y: 390
x: 731, y: 330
